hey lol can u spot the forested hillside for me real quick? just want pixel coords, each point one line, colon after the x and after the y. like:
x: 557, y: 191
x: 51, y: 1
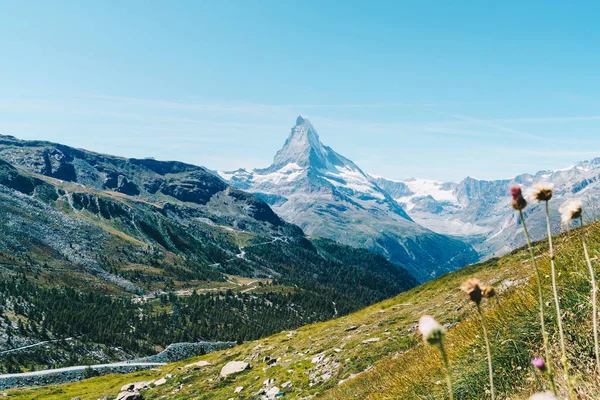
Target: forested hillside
x: 124, y: 257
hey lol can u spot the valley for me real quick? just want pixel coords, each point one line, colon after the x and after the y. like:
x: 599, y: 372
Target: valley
x: 112, y: 263
x: 124, y: 257
x: 377, y: 353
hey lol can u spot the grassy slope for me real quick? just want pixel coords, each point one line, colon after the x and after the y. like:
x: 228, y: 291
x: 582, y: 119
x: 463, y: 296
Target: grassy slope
x: 402, y: 367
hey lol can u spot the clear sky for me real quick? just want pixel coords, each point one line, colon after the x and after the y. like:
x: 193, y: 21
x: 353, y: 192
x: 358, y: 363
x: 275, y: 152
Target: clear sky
x: 430, y: 89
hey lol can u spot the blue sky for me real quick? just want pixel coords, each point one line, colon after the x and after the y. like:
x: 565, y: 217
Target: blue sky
x: 430, y: 89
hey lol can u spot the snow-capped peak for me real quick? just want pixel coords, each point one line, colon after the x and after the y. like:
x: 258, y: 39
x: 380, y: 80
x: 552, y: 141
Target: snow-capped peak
x: 302, y: 147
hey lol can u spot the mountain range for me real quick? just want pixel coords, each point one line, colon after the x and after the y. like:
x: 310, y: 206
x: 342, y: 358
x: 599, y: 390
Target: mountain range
x: 328, y: 195
x: 430, y: 227
x: 92, y: 244
x: 478, y: 211
x: 89, y: 238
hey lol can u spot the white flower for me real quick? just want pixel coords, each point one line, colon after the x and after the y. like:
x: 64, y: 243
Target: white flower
x: 541, y: 191
x: 570, y: 210
x: 431, y: 330
x: 543, y: 396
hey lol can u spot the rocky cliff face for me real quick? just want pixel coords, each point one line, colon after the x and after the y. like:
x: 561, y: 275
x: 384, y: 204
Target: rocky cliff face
x: 479, y: 212
x: 328, y: 195
x: 180, y: 187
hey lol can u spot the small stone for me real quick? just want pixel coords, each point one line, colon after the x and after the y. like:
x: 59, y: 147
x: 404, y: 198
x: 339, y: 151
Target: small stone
x: 269, y: 382
x: 198, y: 364
x: 372, y: 340
x: 160, y: 382
x: 128, y: 387
x: 318, y: 358
x: 273, y: 392
x: 352, y: 328
x: 286, y: 385
x: 137, y: 386
x: 238, y: 389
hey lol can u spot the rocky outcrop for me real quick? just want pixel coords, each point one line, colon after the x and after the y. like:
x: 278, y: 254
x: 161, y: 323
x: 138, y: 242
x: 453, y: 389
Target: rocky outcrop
x: 234, y: 367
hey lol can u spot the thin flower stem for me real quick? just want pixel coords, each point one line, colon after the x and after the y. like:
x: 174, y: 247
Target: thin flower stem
x: 563, y: 349
x: 541, y: 301
x: 489, y: 352
x: 594, y: 295
x: 448, y: 371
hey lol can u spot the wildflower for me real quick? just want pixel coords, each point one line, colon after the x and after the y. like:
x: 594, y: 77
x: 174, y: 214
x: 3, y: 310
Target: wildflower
x: 431, y: 330
x: 488, y: 291
x: 542, y: 191
x: 539, y: 363
x: 433, y: 333
x: 543, y: 396
x: 472, y: 287
x: 518, y: 201
x: 570, y: 210
x: 518, y: 196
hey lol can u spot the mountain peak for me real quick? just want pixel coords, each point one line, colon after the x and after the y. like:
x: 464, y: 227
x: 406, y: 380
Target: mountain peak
x: 302, y: 147
x: 300, y: 120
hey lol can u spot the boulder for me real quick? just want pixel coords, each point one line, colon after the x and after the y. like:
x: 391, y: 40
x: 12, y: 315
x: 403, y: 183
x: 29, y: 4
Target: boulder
x: 129, y: 396
x: 234, y: 367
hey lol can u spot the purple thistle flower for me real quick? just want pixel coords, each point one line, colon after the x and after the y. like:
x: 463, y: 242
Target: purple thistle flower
x: 539, y: 363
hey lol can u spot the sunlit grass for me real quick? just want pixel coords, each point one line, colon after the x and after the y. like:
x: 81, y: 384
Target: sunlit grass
x: 402, y: 367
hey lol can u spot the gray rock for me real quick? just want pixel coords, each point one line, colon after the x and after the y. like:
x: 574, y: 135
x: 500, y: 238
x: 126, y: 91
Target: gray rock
x: 129, y: 396
x: 372, y: 340
x: 234, y: 367
x: 160, y: 382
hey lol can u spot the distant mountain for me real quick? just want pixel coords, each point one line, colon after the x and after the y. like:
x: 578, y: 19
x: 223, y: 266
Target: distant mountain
x: 328, y: 195
x: 479, y: 212
x: 89, y: 238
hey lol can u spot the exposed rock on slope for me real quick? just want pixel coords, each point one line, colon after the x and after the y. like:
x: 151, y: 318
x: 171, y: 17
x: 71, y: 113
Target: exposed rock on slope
x: 327, y: 195
x: 478, y: 210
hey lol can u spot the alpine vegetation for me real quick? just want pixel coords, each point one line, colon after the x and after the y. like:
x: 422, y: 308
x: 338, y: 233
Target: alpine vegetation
x: 477, y: 291
x: 569, y: 211
x: 433, y: 333
x: 542, y: 192
x: 519, y: 203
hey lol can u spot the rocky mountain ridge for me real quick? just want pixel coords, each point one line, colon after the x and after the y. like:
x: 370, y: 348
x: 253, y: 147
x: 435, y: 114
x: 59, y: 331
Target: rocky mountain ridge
x: 89, y: 237
x: 328, y: 195
x: 478, y: 210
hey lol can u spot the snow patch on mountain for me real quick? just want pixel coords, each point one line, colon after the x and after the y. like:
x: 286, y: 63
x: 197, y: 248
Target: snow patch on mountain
x: 439, y: 191
x: 328, y: 195
x: 478, y: 210
x: 355, y: 180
